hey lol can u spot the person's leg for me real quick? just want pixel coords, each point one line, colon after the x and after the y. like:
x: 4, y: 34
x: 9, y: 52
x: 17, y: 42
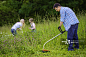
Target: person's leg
x: 70, y: 37
x: 13, y: 31
x: 34, y: 30
x: 76, y: 42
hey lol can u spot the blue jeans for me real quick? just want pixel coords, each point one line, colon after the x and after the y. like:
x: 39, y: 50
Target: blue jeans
x: 73, y: 37
x: 13, y: 31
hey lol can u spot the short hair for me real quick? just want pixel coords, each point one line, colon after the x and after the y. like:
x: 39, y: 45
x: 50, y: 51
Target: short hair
x: 56, y: 5
x: 31, y: 19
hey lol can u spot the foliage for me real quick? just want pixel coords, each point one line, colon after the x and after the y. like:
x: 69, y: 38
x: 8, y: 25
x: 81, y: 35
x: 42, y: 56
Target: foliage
x: 30, y: 8
x: 25, y: 10
x: 7, y: 15
x: 28, y: 44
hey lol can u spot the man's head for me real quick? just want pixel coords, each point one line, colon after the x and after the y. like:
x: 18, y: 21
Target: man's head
x: 57, y: 6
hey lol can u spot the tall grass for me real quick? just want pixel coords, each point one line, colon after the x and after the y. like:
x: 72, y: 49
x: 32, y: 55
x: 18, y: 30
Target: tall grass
x: 28, y: 44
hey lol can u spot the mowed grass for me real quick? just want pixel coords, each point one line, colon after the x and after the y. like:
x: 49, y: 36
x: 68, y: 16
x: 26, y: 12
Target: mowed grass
x: 28, y: 44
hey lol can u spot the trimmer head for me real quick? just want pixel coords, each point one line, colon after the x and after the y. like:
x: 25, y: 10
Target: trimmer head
x: 45, y: 51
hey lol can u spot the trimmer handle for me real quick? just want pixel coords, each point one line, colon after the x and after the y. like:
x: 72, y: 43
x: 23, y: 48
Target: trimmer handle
x: 61, y: 30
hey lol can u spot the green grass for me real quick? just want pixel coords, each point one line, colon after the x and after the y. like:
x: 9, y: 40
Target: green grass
x: 28, y: 44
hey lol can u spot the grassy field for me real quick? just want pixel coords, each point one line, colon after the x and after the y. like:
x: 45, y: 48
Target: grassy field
x: 28, y: 44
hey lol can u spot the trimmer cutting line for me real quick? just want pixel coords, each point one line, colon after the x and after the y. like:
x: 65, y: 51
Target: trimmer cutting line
x: 44, y: 50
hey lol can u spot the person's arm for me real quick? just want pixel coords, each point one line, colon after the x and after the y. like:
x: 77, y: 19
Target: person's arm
x: 61, y: 23
x: 33, y: 27
x: 20, y: 28
x: 62, y: 13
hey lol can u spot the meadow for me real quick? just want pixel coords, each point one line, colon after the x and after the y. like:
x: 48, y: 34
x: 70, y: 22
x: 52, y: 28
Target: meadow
x: 30, y: 44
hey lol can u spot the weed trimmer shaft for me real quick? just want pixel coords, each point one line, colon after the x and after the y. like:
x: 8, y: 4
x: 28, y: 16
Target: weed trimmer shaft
x: 50, y: 40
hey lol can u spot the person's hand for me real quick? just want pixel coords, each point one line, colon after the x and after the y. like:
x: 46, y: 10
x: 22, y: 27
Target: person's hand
x: 18, y: 29
x: 29, y: 28
x: 59, y: 27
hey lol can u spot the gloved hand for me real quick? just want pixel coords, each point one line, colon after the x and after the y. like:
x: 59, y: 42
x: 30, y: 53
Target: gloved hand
x: 60, y: 28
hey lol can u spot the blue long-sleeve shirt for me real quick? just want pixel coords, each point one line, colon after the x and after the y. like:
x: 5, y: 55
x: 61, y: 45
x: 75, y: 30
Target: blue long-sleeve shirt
x: 68, y: 17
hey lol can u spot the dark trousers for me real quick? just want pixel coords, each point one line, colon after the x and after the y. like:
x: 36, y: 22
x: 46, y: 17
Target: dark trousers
x: 13, y: 31
x: 73, y: 37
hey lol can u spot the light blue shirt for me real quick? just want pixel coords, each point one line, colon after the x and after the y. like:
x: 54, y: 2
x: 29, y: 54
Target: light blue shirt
x: 68, y: 17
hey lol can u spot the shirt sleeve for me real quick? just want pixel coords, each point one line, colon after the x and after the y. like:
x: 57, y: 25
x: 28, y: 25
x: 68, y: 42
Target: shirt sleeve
x: 20, y: 24
x: 33, y: 26
x: 62, y: 14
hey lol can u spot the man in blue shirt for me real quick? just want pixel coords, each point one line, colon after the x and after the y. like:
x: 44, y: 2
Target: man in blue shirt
x: 70, y: 22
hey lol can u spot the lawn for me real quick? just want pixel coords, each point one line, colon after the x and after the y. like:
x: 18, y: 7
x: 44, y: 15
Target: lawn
x: 30, y: 44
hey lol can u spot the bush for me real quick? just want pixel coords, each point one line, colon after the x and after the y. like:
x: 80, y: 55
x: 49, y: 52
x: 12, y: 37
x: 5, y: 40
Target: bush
x: 7, y: 15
